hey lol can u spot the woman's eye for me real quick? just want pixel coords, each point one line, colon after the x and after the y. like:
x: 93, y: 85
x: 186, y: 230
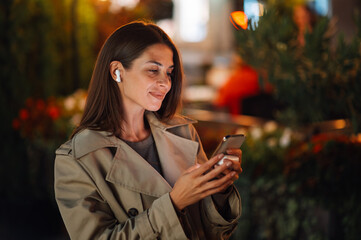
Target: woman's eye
x: 153, y: 70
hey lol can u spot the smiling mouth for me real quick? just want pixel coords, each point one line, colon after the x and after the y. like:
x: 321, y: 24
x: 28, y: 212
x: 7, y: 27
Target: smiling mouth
x: 159, y: 96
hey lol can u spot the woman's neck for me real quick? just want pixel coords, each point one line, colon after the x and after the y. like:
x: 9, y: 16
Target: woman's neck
x: 134, y: 127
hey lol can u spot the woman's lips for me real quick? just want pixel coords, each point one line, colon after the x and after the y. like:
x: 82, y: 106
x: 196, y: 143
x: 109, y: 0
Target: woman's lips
x: 157, y: 95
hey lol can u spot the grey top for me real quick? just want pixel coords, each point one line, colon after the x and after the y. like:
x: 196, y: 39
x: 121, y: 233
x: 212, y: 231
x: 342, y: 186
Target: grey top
x: 147, y: 149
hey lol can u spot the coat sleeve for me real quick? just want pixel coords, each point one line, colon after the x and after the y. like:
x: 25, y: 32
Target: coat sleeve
x: 220, y: 226
x: 217, y: 225
x: 87, y: 215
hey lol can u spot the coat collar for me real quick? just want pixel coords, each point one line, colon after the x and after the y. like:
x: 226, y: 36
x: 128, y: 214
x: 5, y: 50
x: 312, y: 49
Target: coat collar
x: 176, y: 121
x: 88, y: 141
x: 129, y: 169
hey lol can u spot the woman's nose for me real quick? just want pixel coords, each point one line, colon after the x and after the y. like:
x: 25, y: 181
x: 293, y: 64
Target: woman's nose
x: 164, y: 80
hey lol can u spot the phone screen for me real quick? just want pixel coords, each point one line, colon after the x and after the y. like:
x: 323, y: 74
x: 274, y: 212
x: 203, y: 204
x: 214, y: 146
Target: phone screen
x: 229, y: 141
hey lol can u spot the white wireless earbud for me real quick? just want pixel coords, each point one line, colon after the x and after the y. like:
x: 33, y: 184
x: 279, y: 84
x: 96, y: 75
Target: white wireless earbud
x: 117, y: 72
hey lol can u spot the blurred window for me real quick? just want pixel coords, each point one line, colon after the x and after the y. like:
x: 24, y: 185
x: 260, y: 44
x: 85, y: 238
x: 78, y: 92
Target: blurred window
x: 194, y: 17
x: 118, y: 4
x: 322, y: 7
x: 253, y: 9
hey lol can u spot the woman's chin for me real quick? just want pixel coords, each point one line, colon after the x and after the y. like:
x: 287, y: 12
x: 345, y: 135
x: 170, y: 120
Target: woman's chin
x: 153, y: 108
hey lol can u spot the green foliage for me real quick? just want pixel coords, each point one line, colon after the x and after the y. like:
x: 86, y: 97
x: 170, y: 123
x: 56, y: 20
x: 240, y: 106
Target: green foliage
x: 327, y: 170
x: 315, y: 82
x: 35, y: 61
x: 297, y: 188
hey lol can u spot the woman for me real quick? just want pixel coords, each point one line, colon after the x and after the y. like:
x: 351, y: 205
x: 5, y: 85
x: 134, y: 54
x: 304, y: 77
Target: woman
x: 134, y: 169
x: 305, y: 20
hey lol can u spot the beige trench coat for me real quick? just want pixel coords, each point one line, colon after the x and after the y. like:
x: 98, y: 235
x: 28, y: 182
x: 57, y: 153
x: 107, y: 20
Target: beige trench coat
x: 105, y: 190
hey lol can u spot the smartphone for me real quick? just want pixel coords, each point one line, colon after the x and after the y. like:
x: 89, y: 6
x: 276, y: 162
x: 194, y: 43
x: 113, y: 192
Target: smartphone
x: 229, y: 141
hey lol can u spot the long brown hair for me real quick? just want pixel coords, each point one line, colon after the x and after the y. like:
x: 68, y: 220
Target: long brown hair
x: 104, y: 106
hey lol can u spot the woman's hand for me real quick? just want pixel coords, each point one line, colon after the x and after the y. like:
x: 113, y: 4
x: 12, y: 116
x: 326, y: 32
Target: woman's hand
x: 236, y: 166
x: 200, y: 181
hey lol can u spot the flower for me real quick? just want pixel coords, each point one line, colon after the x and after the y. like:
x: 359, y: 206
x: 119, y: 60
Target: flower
x: 53, y: 112
x: 270, y: 126
x: 16, y: 124
x: 69, y: 103
x: 24, y: 114
x: 317, y: 148
x: 256, y: 132
x: 272, y: 142
x: 74, y: 104
x: 75, y: 120
x: 40, y: 105
x: 51, y: 118
x: 285, y: 139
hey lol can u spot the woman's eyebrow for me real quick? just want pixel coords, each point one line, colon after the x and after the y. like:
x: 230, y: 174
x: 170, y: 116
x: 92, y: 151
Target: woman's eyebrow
x: 158, y: 63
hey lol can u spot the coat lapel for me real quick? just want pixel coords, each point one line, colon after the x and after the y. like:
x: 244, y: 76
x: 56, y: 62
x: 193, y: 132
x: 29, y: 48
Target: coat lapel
x: 176, y: 154
x: 130, y: 170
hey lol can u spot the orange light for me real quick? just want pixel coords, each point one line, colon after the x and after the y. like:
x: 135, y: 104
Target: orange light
x: 239, y: 18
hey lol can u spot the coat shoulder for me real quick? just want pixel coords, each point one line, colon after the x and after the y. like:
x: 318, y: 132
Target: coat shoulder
x: 181, y: 120
x: 64, y: 149
x: 88, y: 141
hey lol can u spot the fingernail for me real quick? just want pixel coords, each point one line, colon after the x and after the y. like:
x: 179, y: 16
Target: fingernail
x: 220, y: 156
x: 229, y: 164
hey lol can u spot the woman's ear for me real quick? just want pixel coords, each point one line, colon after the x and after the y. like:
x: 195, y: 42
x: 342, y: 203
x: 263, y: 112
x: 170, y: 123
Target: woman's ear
x: 116, y: 71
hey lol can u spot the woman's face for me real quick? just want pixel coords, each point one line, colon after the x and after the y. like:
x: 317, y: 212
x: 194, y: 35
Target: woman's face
x: 301, y: 17
x: 146, y: 83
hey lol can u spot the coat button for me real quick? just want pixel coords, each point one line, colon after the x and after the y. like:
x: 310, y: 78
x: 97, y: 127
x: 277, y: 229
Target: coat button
x: 133, y: 212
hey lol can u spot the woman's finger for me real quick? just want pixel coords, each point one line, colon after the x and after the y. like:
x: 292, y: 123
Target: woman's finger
x: 226, y: 180
x: 207, y: 165
x: 235, y: 151
x: 235, y: 166
x: 192, y: 168
x: 221, y: 188
x: 215, y: 172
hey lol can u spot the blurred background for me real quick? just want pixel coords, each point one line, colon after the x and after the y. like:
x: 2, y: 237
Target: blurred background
x: 287, y: 73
